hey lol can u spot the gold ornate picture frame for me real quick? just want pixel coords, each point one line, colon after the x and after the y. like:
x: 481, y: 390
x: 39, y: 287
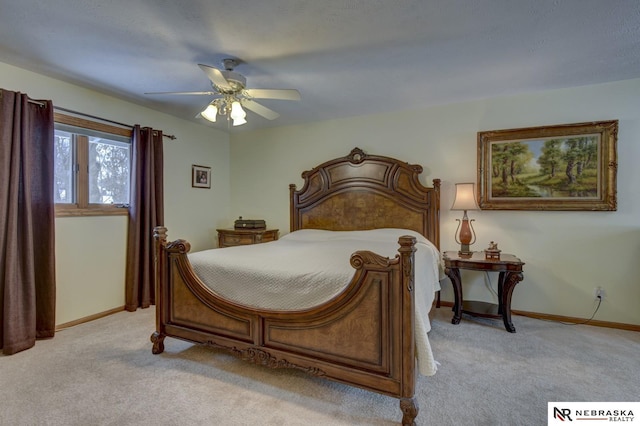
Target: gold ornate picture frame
x: 561, y: 167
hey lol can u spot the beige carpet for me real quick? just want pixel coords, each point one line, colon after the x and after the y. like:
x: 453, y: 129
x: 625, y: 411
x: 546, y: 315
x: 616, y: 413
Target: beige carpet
x: 103, y: 373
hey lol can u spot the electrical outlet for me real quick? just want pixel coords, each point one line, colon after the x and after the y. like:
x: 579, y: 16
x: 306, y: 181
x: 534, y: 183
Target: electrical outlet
x: 599, y: 293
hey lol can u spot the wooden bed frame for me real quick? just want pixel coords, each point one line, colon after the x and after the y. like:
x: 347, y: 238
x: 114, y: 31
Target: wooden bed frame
x: 363, y: 337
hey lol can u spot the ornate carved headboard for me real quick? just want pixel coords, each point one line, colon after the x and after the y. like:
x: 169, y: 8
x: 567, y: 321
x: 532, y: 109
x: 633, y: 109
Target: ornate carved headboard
x: 362, y: 191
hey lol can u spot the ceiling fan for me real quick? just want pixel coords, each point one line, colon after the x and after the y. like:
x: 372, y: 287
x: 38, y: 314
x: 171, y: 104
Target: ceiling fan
x: 229, y: 88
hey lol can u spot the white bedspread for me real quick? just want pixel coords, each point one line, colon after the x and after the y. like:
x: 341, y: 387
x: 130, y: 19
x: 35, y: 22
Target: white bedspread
x: 308, y: 267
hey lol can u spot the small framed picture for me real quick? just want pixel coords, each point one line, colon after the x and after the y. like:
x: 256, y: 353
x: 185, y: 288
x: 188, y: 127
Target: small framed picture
x: 200, y: 176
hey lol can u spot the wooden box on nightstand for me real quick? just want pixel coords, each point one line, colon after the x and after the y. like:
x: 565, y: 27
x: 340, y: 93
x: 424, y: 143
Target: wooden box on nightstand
x: 240, y: 237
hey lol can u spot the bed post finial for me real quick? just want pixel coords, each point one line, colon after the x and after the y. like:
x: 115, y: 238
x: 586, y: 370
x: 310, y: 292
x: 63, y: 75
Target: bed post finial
x: 407, y: 250
x: 160, y: 238
x: 160, y: 233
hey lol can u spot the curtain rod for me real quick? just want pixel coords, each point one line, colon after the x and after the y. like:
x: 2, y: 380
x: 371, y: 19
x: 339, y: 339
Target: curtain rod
x: 172, y: 137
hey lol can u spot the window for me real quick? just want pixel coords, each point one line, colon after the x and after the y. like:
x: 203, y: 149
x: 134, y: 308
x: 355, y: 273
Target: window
x: 92, y: 167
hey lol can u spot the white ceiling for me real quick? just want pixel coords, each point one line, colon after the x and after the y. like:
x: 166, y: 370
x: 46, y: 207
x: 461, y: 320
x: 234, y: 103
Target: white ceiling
x: 347, y: 57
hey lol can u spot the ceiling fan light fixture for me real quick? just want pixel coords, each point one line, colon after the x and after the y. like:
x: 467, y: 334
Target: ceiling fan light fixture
x: 232, y: 97
x: 210, y: 113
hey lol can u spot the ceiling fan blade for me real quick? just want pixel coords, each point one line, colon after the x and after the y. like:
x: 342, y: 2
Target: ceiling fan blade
x: 182, y: 93
x: 216, y: 77
x: 259, y: 109
x: 285, y: 94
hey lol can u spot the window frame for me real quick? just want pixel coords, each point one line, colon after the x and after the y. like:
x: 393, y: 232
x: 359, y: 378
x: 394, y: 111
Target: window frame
x: 82, y: 207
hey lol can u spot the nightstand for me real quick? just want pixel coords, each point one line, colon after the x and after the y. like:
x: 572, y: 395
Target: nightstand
x: 240, y: 237
x: 510, y: 269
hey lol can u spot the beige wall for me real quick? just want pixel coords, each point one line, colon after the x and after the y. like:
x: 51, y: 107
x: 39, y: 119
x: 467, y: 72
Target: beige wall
x: 567, y: 254
x: 91, y: 251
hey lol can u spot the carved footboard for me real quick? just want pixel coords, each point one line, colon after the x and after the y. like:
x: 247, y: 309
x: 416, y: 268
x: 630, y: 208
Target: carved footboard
x: 363, y: 337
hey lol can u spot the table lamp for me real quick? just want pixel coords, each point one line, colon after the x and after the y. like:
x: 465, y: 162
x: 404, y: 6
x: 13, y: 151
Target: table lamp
x: 465, y: 200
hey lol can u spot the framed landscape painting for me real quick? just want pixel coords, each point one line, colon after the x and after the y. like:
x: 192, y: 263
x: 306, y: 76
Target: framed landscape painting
x: 562, y: 167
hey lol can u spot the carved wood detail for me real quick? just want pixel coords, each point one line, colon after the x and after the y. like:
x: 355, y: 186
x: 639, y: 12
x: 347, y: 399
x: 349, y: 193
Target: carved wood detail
x: 409, y: 408
x: 332, y: 338
x: 262, y: 357
x: 158, y: 343
x: 362, y: 191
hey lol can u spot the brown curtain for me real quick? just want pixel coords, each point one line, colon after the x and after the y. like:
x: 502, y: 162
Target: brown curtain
x: 145, y: 212
x: 27, y: 222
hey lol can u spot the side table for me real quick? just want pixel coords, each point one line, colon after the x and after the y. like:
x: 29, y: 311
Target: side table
x: 510, y: 269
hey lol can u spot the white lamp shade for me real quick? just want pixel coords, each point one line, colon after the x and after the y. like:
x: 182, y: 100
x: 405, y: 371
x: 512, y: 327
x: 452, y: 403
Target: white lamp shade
x: 239, y: 121
x: 210, y: 113
x: 237, y: 112
x: 465, y: 197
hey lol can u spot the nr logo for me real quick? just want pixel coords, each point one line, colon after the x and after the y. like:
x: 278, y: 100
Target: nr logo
x: 562, y: 414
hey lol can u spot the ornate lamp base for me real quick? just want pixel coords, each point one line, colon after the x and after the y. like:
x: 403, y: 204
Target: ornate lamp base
x: 465, y: 251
